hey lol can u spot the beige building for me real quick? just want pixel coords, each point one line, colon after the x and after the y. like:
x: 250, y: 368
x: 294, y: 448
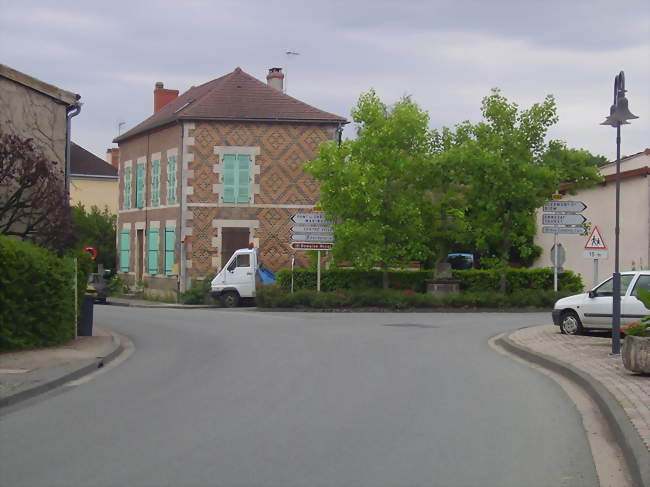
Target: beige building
x: 93, y: 182
x: 600, y: 212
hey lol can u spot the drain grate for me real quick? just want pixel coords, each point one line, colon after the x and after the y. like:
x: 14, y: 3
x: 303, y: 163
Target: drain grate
x: 410, y: 325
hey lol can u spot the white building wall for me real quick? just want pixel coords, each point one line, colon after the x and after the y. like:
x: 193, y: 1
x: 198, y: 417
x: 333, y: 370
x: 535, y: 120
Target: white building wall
x: 600, y: 201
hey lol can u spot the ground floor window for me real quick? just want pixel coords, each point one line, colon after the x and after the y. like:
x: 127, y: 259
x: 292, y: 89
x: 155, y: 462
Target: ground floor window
x: 170, y: 245
x: 152, y: 256
x: 125, y: 250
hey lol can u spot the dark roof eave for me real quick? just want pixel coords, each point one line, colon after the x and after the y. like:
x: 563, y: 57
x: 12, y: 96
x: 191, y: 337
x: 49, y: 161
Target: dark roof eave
x: 126, y: 136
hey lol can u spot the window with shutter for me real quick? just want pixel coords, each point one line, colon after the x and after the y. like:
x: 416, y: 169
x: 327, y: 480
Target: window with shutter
x: 236, y: 178
x: 243, y: 178
x: 125, y: 242
x: 170, y: 244
x: 155, y: 183
x: 171, y: 180
x: 139, y: 185
x: 152, y: 255
x: 127, y: 188
x: 229, y: 178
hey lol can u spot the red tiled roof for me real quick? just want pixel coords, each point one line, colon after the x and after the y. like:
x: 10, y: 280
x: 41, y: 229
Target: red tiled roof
x: 235, y: 96
x: 84, y: 163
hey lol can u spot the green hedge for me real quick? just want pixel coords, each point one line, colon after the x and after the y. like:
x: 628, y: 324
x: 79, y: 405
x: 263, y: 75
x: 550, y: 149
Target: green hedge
x: 37, y: 294
x: 470, y: 280
x: 276, y: 297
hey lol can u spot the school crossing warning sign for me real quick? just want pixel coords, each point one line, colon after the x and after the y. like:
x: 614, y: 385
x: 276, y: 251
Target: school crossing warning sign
x: 595, y: 247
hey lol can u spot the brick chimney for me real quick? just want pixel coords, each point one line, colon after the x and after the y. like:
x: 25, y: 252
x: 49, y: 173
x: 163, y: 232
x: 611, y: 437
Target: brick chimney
x: 275, y: 78
x: 162, y: 96
x: 113, y: 156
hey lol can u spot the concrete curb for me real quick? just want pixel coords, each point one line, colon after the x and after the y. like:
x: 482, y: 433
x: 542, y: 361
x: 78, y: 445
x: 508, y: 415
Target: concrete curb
x: 23, y: 395
x: 404, y: 310
x: 634, y: 450
x: 162, y: 305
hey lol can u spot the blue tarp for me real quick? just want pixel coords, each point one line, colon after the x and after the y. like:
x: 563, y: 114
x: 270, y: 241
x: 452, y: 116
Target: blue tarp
x: 266, y: 276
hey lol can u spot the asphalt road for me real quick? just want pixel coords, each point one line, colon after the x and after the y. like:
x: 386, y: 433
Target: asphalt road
x: 244, y: 398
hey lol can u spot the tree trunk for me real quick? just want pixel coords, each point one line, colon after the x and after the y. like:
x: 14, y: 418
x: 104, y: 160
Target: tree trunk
x: 507, y: 227
x: 384, y: 278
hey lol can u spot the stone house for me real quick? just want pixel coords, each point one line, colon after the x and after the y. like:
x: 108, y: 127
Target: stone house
x: 33, y: 109
x: 600, y: 200
x: 211, y: 171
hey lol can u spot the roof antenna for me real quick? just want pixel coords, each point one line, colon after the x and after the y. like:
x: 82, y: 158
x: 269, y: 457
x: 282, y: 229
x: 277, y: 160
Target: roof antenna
x: 286, y: 69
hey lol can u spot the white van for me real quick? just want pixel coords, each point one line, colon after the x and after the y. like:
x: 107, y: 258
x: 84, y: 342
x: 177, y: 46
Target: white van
x: 239, y: 277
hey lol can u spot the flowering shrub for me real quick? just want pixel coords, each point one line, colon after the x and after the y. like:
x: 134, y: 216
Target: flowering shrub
x: 638, y: 329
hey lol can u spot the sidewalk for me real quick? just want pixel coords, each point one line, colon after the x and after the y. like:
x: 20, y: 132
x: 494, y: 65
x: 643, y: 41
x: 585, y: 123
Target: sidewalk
x: 623, y: 397
x: 28, y: 373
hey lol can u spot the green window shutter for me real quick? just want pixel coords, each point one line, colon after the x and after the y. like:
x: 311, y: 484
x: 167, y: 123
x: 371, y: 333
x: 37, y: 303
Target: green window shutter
x: 152, y: 256
x: 170, y: 246
x: 127, y: 188
x: 243, y: 178
x: 229, y: 178
x: 155, y: 183
x: 171, y: 180
x: 139, y: 186
x: 125, y: 242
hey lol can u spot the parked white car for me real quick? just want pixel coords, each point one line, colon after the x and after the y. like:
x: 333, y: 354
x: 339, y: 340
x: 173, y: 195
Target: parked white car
x: 574, y: 314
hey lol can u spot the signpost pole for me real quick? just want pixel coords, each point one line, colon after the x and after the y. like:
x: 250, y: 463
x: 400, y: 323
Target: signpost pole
x: 293, y: 260
x: 318, y: 272
x: 595, y: 272
x: 555, y: 259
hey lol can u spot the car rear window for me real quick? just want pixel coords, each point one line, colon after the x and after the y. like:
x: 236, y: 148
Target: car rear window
x: 643, y: 282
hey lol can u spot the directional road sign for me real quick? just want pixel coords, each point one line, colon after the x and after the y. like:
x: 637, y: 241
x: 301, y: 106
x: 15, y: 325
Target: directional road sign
x: 312, y: 229
x: 312, y: 237
x: 564, y: 230
x: 566, y: 206
x: 562, y: 219
x: 314, y: 218
x: 311, y: 246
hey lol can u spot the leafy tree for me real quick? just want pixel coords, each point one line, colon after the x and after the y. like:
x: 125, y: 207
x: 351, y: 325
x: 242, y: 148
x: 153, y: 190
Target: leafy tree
x: 374, y: 187
x: 96, y: 228
x: 33, y: 201
x: 508, y: 171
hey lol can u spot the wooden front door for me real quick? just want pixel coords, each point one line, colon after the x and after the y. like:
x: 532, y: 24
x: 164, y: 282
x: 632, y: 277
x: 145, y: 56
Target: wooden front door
x: 232, y: 239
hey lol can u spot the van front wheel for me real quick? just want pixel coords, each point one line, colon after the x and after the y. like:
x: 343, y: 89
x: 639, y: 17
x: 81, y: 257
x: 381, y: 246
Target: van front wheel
x: 230, y: 299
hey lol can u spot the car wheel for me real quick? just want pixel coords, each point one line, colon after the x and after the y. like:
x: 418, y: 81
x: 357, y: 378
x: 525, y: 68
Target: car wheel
x: 570, y: 323
x: 230, y: 299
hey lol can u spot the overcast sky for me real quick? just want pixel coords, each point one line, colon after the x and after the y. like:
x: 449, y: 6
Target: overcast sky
x: 446, y: 54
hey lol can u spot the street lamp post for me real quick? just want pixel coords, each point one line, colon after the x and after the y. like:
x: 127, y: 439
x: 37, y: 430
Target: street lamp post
x: 619, y: 114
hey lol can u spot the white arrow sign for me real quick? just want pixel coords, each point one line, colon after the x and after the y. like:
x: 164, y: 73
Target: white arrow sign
x: 568, y: 206
x: 312, y: 229
x: 312, y: 237
x: 315, y: 218
x: 564, y: 230
x: 560, y: 219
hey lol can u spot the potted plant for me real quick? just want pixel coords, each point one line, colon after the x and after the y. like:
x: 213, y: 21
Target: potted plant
x: 636, y: 347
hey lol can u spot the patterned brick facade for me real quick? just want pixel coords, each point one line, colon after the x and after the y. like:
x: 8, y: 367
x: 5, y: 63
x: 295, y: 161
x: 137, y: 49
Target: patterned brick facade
x: 284, y: 188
